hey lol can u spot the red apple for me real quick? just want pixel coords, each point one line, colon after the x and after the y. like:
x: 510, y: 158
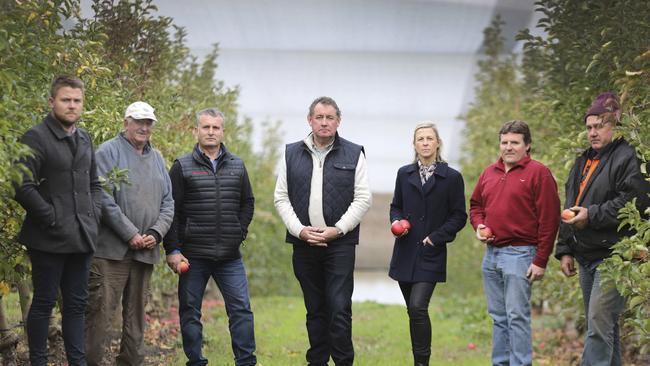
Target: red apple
x: 485, y: 232
x: 397, y: 229
x: 405, y: 224
x: 183, y: 267
x: 471, y: 346
x: 568, y: 214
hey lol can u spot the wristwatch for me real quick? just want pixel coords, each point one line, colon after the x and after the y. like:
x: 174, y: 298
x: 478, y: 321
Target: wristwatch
x: 339, y: 232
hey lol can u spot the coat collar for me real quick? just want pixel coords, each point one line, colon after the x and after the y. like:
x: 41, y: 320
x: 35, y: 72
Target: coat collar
x: 201, y: 158
x: 83, y: 141
x: 55, y: 126
x: 413, y: 171
x: 442, y: 169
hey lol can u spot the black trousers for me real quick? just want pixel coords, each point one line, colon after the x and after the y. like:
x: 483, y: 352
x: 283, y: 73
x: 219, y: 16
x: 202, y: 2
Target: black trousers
x: 51, y: 272
x: 326, y: 278
x: 417, y: 296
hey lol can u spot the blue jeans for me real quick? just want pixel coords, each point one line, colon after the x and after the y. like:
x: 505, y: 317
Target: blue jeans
x: 508, y: 300
x: 326, y: 278
x: 230, y: 277
x: 51, y: 272
x: 602, y: 310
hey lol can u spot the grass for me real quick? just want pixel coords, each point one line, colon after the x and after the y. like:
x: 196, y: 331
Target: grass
x: 380, y: 335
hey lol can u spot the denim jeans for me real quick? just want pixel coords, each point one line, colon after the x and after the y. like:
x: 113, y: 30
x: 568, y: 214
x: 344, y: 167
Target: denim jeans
x: 326, y: 278
x: 230, y: 277
x: 51, y: 272
x: 508, y: 300
x: 602, y: 310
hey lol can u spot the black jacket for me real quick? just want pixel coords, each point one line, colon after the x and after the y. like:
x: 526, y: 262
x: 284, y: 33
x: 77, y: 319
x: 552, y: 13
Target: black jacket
x: 62, y: 198
x: 212, y: 210
x: 616, y: 181
x: 435, y: 210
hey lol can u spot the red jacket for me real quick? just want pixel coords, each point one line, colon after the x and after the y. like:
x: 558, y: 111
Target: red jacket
x: 522, y: 206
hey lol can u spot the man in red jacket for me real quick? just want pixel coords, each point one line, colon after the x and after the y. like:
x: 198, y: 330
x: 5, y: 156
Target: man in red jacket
x: 515, y: 210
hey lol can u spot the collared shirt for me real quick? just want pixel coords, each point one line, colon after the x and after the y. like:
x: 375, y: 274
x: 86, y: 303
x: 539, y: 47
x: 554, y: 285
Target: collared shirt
x: 320, y: 153
x: 215, y: 162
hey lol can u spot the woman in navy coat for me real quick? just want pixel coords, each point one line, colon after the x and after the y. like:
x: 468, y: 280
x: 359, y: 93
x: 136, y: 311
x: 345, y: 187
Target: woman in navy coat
x: 430, y: 195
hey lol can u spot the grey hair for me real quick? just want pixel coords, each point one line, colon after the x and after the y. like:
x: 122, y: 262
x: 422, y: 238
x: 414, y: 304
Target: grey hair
x: 431, y: 125
x: 212, y: 112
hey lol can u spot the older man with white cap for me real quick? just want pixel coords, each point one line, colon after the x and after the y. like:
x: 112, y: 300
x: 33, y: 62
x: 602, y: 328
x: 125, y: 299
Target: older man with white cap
x: 136, y: 216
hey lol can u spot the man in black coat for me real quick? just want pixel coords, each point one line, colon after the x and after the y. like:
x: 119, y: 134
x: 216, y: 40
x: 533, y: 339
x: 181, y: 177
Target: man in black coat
x: 62, y: 200
x: 603, y: 179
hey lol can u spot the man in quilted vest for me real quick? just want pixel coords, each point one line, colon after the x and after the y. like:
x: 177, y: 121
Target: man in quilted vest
x: 321, y: 194
x: 213, y: 206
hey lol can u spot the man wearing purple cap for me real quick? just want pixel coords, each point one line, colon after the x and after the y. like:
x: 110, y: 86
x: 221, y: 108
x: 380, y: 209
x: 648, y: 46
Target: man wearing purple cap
x: 136, y: 216
x: 603, y: 179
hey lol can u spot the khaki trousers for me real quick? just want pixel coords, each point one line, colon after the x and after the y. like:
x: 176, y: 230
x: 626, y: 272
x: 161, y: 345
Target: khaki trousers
x: 109, y: 281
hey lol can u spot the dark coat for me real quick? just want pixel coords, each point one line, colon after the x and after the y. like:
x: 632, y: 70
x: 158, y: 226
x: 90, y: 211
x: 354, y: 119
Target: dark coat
x: 436, y: 210
x: 616, y: 181
x: 62, y: 198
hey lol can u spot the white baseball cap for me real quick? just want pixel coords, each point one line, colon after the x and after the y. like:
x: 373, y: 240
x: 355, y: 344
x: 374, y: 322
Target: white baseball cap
x: 140, y: 110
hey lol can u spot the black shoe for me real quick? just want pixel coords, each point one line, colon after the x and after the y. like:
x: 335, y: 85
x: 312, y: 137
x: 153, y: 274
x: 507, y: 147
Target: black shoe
x: 421, y: 360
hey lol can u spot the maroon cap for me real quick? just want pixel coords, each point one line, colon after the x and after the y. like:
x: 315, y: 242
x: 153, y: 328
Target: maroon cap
x: 606, y: 102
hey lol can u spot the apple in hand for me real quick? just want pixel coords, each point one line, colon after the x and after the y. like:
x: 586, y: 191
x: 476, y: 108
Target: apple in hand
x: 397, y: 228
x: 183, y: 267
x: 486, y: 232
x: 405, y: 224
x: 568, y: 214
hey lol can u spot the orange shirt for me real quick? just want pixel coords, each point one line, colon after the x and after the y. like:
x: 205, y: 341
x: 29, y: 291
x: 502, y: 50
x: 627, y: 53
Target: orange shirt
x: 587, y: 171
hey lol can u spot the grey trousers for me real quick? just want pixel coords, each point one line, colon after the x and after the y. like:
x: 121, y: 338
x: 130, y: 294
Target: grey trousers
x: 109, y: 281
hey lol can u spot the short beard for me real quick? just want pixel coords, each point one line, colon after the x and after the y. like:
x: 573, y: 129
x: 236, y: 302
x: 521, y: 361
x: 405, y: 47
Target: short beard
x: 63, y: 121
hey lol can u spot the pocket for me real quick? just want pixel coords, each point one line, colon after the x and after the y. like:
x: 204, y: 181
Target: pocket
x: 433, y: 258
x: 343, y: 175
x: 345, y: 166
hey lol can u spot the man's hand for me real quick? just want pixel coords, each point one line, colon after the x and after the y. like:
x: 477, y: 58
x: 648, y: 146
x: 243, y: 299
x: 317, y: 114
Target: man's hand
x: 173, y: 260
x: 330, y: 233
x: 136, y: 242
x: 535, y: 273
x: 581, y: 219
x: 149, y: 241
x: 483, y: 238
x: 314, y: 236
x: 568, y: 265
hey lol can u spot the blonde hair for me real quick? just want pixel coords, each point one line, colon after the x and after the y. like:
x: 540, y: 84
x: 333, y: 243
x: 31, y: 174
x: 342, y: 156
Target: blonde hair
x: 431, y: 125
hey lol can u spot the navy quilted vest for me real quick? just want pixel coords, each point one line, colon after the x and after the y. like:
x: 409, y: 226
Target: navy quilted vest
x: 339, y: 170
x: 211, y: 228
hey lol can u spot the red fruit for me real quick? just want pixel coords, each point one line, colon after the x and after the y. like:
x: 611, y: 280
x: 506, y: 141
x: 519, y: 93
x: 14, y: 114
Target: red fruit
x: 183, y: 267
x: 397, y: 229
x: 471, y: 346
x: 485, y: 232
x: 405, y: 224
x: 568, y: 214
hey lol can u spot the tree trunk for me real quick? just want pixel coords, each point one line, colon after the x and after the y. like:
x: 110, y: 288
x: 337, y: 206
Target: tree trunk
x: 8, y: 338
